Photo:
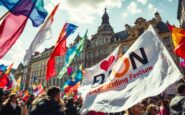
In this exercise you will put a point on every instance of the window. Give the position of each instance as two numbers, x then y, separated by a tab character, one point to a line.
100	51
53	81
96	53
115	39
104	40
99	42
96	42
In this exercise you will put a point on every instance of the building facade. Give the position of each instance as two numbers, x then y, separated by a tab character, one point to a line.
100	46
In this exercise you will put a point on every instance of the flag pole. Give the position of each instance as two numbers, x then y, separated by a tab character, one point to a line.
4	15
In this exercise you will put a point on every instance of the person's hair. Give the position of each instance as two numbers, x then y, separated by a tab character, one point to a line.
11	96
53	91
180	88
149	108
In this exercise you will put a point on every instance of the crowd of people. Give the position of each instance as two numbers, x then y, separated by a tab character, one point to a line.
52	103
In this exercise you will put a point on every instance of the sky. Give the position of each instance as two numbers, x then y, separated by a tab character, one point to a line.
87	14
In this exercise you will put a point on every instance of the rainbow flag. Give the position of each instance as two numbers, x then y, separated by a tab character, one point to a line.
178	37
37	14
20	11
73	82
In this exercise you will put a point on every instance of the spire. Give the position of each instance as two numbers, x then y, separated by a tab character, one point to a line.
105	18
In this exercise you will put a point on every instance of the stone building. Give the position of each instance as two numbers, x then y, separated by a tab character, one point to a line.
100	45
105	40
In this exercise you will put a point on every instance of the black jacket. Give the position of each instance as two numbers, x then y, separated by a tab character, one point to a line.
46	107
9	110
177	105
71	110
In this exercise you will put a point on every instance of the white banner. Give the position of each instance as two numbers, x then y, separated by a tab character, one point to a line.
145	70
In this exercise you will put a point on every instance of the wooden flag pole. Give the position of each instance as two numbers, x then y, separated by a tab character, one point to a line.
4	15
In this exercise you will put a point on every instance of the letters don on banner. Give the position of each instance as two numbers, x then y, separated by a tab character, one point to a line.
145	70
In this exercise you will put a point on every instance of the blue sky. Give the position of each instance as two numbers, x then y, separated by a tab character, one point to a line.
87	15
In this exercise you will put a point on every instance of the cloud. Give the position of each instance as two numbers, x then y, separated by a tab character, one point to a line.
85	11
124	14
49	7
144	2
15	55
152	8
133	8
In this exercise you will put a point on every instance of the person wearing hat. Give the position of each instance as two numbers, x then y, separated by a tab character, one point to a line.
49	105
10	106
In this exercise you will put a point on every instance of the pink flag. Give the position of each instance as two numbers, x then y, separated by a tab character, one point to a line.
69	71
10	30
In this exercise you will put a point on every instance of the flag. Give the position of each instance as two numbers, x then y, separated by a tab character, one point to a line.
4	80
3	68
9	69
33	9
12	82
43	34
182	62
59	50
66	31
71	53
69	71
18	86
72	89
178	37
145	70
8	33
38	90
34	79
71	83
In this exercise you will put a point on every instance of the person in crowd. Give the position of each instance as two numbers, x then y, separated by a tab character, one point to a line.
164	108
24	109
30	101
177	104
49	105
10	106
70	107
137	109
2	97
152	110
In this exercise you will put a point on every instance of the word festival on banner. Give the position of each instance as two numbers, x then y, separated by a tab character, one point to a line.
127	63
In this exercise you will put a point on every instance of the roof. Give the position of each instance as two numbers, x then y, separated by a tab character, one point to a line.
122	35
162	27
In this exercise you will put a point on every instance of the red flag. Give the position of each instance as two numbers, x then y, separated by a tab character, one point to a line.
178	37
10	30
60	49
4	80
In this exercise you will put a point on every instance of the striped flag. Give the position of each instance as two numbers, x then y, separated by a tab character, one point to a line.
178	37
71	53
38	90
20	12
